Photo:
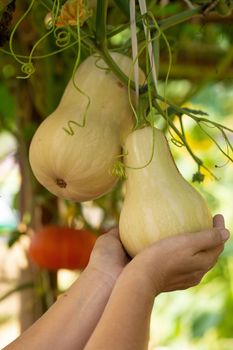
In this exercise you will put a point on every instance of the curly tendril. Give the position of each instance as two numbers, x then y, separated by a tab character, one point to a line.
150	16
54	15
70	130
14	30
146	18
28	69
98	59
228	144
62	37
38	57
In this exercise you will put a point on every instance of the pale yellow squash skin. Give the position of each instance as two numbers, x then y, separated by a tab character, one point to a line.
158	202
79	167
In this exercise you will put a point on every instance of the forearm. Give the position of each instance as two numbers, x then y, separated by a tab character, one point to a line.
125	322
69	323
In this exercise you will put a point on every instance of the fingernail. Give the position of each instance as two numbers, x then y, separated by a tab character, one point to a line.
225	234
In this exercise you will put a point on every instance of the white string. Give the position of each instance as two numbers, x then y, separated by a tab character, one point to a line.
134	42
143	9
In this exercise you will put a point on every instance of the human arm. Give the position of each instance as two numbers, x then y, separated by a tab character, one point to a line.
173	263
68	324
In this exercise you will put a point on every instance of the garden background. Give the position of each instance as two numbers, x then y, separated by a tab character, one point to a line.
200	78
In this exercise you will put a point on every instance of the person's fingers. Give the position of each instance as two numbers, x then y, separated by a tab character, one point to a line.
104	238
113	232
185	281
207	259
218	221
205	240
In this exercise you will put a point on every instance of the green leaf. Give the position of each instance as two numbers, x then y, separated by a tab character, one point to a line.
198	177
203	322
195	111
172	111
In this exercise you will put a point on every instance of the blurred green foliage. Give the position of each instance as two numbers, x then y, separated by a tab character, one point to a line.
201	78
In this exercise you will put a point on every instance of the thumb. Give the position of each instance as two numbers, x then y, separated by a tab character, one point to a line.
208	239
218	221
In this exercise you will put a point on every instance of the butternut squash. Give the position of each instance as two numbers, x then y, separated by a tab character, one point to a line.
76	164
158	200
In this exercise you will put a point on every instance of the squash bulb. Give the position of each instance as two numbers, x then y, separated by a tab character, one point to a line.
76	164
158	202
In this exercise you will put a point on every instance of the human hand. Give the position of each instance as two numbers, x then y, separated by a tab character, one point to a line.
108	255
180	261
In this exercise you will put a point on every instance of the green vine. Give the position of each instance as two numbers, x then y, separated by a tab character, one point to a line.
70	130
95	37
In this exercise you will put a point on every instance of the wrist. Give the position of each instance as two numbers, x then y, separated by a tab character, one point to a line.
105	275
139	281
150	281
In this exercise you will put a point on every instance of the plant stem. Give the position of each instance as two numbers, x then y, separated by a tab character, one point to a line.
115	68
194	117
17	288
101	35
163	114
167	22
117	30
164	24
179	18
101	18
101	42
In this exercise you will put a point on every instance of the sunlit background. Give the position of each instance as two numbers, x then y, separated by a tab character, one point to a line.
201	78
